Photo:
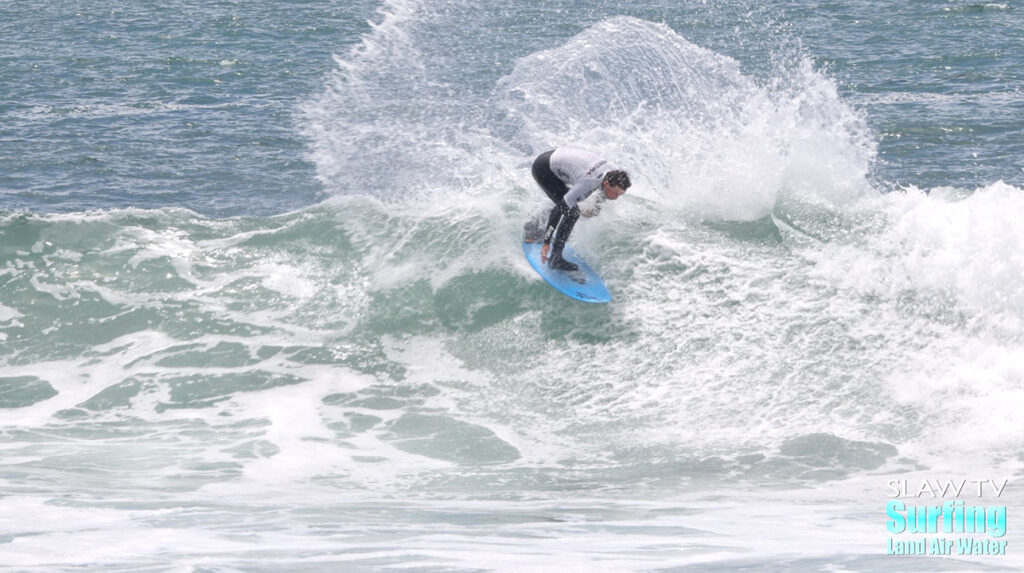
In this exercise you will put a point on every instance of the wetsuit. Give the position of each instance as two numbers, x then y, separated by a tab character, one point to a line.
568	175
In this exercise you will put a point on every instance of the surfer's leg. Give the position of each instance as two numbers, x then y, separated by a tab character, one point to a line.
564	230
549	231
557	212
555	189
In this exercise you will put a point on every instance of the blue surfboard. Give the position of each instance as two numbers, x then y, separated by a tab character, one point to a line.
583	284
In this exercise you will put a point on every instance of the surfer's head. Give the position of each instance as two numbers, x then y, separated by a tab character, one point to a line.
615	184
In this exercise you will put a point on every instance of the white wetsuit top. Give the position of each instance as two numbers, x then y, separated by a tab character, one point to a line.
581	171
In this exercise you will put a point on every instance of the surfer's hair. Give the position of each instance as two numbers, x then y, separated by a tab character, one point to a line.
618	179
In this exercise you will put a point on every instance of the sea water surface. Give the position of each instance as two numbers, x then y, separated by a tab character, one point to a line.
263	305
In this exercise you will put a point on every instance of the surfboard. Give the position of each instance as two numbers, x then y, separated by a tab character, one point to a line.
583	284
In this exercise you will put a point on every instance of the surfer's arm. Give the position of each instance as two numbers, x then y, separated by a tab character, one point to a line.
580	191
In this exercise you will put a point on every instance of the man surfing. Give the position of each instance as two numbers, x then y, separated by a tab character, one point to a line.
568	176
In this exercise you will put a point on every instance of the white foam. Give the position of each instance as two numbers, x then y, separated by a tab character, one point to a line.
700	136
945	275
946	243
8	314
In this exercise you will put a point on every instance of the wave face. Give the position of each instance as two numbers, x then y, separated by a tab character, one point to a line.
379	379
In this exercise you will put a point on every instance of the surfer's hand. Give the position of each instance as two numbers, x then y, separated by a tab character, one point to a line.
589	213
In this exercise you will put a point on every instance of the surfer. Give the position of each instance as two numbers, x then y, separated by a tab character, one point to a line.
568	176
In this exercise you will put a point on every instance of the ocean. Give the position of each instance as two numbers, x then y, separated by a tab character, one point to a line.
263	305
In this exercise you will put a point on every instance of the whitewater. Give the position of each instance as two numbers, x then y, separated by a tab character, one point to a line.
244	332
